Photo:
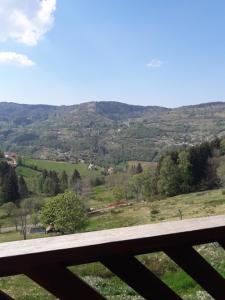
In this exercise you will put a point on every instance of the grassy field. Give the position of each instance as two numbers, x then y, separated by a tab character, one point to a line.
190	205
100	197
31	177
60	166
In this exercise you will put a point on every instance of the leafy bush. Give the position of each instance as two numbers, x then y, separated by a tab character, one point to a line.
154	211
66	212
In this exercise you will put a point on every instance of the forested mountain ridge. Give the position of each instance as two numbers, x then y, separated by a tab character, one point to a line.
106	131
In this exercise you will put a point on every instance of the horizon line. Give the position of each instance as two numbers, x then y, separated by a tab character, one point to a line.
113	101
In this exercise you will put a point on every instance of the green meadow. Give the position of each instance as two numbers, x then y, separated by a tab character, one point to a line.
61	166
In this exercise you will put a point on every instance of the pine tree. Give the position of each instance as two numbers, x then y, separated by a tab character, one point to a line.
76	175
199	156
4	170
41	181
1	154
23	191
45	173
46	185
75	182
10	190
63	180
54	183
42	186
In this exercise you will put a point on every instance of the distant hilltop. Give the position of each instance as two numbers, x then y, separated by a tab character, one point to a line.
106	132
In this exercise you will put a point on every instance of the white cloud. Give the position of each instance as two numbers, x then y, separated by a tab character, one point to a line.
154	63
26	21
14	58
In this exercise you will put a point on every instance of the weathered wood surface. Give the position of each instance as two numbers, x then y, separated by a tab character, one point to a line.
18	257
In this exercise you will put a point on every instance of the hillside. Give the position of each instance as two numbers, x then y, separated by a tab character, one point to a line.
106	131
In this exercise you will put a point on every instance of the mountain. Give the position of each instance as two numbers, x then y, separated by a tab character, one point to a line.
106	131
121	111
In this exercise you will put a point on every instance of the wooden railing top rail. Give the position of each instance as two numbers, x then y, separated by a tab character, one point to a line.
45	260
162	231
91	246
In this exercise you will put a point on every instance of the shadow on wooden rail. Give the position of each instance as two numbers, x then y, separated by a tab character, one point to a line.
45	261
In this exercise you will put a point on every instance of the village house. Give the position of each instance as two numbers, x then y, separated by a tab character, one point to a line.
110	170
11	158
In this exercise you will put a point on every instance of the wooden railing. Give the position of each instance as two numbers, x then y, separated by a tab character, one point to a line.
45	260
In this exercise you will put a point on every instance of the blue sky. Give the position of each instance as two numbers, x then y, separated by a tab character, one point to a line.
147	52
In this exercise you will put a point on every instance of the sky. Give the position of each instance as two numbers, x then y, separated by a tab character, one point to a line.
145	52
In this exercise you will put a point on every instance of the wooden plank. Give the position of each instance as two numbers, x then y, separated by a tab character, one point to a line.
62	283
4	296
92	246
137	276
199	269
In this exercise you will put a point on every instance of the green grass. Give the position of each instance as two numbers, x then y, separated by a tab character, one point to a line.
31	177
60	166
181	283
10	236
100	197
191	205
27	172
22	288
16	236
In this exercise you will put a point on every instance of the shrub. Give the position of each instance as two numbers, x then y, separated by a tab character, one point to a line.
154	211
66	212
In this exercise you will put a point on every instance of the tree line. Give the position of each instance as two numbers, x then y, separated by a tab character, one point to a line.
13	187
181	171
189	169
51	183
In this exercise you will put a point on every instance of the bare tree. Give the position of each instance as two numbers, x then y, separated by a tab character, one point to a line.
26	209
